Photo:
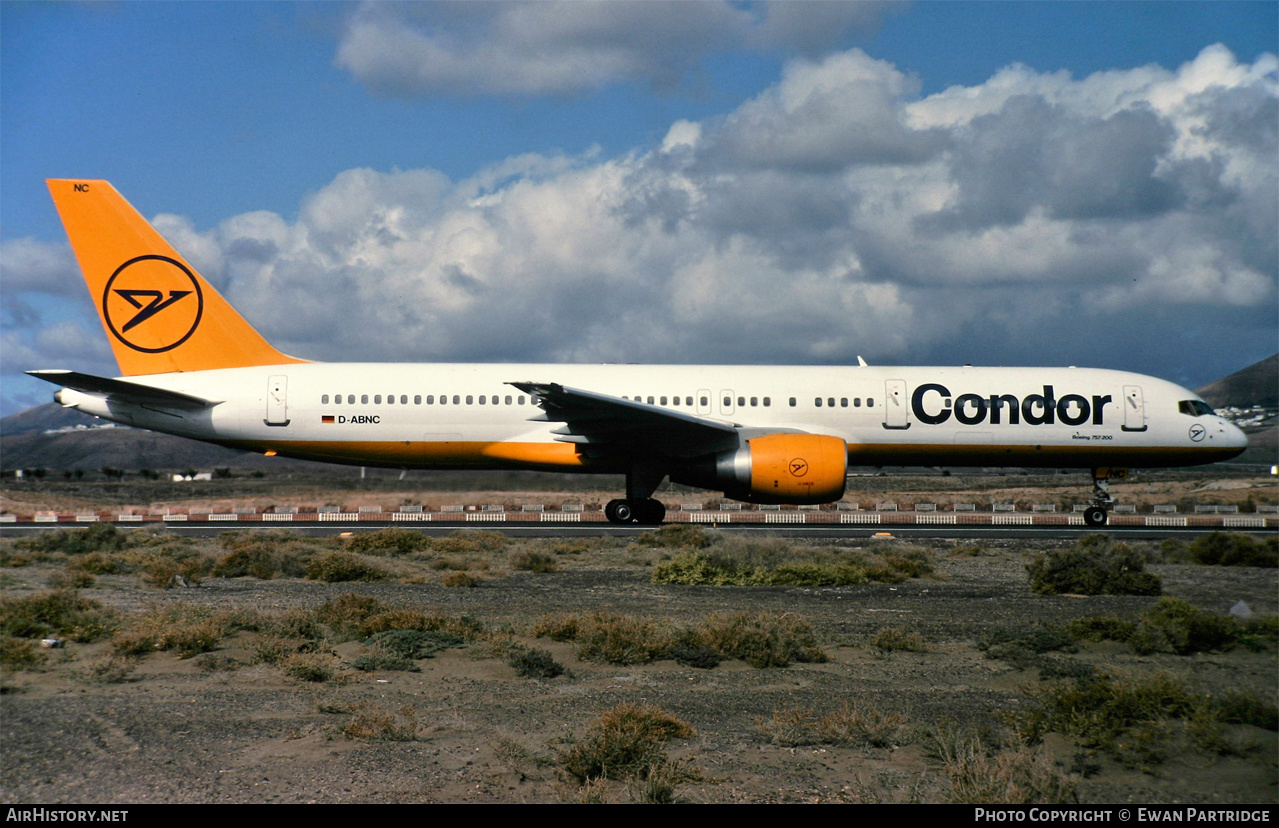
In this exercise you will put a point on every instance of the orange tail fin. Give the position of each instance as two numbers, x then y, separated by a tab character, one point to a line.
160	315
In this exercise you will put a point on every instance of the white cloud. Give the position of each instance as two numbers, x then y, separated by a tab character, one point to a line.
567	46
1033	218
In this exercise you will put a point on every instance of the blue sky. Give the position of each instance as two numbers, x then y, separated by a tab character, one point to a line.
994	183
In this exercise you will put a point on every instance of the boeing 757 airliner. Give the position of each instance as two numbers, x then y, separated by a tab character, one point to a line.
193	367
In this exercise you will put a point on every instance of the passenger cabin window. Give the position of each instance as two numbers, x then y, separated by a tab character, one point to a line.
470	400
324	399
843	402
768	401
818	402
430	399
792	402
457	400
364	399
705	401
377	399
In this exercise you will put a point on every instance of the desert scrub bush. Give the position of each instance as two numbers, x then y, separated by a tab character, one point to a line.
312	667
762	639
556	627
621	639
533	663
1023	649
388	542
1019	775
351	616
1247	707
461	580
1234	549
98	537
414	643
370	724
170	568
624	742
535	562
185	629
1129	719
406	618
471	542
1094	566
346	612
850	725
71	579
678	536
690	650
1176	626
20	654
341	567
890	639
1097	628
773	562
713	569
64	612
114	669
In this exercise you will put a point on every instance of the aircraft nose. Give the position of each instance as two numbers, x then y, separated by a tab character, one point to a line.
1233	436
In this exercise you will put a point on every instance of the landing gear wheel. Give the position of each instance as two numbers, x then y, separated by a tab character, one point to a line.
1095	516
650	511
619	511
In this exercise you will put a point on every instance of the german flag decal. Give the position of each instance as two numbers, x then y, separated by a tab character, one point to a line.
326	418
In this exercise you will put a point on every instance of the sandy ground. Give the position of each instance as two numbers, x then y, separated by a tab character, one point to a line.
221	728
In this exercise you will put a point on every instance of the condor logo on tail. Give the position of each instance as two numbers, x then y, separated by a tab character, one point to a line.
143	303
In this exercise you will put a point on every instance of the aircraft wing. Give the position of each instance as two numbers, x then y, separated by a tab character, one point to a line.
124	391
601	424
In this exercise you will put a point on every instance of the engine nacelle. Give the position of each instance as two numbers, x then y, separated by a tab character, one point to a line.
775	468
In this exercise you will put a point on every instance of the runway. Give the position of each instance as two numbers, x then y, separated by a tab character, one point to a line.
1041	529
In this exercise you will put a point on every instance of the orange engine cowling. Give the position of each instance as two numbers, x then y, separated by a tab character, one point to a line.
797	468
775	468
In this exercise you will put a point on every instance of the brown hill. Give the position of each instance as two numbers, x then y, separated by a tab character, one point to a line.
1255	385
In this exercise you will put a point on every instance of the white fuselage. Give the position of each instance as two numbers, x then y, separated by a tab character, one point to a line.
468	416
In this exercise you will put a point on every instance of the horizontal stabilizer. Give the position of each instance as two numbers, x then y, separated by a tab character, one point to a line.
123	390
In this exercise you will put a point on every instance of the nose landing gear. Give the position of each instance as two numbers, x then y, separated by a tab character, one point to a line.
1097	512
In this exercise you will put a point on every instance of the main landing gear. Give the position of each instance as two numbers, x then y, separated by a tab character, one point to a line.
1097	512
639	506
645	511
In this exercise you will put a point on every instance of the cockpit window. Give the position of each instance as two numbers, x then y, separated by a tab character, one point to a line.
1195	408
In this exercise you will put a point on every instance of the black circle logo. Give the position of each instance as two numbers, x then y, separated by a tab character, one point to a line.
798	467
1197	432
152	303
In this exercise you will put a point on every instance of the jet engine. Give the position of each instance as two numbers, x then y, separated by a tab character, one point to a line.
774	468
